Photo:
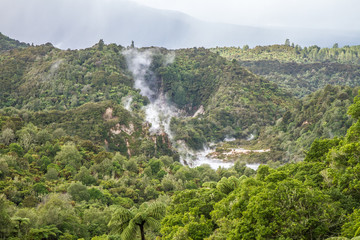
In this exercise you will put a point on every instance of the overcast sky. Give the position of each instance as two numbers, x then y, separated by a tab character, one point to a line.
324	14
209	23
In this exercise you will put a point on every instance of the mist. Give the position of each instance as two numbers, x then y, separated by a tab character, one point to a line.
81	23
160	110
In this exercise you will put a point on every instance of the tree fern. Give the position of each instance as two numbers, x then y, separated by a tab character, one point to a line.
128	222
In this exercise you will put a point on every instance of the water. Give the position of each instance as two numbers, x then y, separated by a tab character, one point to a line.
201	157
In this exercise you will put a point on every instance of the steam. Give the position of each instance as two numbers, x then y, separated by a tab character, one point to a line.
160	111
139	64
127	102
229	139
251	137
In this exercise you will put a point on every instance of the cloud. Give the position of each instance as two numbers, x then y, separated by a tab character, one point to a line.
81	23
324	14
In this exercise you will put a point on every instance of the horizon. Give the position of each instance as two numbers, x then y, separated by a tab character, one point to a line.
173	24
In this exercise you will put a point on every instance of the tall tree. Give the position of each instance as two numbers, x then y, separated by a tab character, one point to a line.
129	221
287	42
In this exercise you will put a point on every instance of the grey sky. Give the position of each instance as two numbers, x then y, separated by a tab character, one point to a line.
325	14
81	23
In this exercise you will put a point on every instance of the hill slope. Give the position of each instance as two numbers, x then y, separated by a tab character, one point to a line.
7	43
300	70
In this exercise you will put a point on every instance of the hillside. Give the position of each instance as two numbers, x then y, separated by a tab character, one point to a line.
46	78
94	145
7	43
221	98
300	70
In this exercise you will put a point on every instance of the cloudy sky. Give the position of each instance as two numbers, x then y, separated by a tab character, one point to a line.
323	14
181	23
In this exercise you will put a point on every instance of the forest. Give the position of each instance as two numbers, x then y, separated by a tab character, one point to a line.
79	157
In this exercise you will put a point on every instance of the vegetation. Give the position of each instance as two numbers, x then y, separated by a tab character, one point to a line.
300	70
235	102
76	164
7	43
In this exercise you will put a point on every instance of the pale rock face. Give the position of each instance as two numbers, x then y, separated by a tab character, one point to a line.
108	115
200	111
122	128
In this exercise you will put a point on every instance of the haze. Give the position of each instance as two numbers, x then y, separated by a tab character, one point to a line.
178	24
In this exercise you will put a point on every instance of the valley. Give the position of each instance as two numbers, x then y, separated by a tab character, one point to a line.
220	143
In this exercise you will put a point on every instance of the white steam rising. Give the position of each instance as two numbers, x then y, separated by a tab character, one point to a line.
139	64
127	102
159	112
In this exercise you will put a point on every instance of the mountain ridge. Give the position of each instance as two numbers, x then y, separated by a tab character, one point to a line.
127	21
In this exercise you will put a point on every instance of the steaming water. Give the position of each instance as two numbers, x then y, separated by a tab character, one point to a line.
229	139
201	157
160	111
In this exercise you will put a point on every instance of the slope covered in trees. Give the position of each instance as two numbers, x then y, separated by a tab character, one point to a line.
7	43
314	199
79	160
233	102
68	187
300	70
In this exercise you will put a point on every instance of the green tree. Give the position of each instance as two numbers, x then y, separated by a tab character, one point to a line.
58	211
287	42
69	155
289	210
7	136
101	45
129	222
46	232
85	176
354	109
78	192
5	221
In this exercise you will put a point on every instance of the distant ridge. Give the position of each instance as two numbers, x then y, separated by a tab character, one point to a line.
77	24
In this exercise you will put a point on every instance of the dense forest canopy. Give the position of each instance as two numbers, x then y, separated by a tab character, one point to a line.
79	158
301	70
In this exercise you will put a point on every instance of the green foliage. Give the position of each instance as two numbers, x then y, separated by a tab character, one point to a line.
319	148
85	176
78	192
48	78
7	43
227	185
352	227
231	97
292	211
189	214
354	109
47	232
69	155
301	71
74	163
321	114
129	222
5	221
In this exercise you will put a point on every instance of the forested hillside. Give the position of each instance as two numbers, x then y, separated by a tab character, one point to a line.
300	70
92	143
233	102
7	43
